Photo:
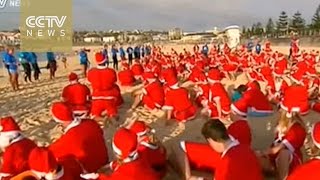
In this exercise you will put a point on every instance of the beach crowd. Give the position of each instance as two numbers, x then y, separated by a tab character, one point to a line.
184	85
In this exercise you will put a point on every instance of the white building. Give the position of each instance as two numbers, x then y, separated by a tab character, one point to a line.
109	39
160	37
175	34
92	38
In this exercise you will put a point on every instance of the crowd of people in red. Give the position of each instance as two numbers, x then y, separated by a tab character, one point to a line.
179	84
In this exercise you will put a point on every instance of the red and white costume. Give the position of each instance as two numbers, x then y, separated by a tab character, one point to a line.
202	90
106	95
76	95
126	76
152	153
252	99
16	149
132	167
43	164
217	94
299	103
137	70
153	93
293	140
177	99
239	130
276	92
82	139
309	170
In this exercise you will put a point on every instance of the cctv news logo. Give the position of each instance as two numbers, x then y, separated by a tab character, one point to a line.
46	26
12	3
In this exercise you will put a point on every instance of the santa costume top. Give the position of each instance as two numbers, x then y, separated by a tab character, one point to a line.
153	93
297	104
89	148
16	149
309	170
126	76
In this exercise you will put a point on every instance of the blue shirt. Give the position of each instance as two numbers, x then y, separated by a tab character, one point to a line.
205	49
114	51
24	57
33	58
129	50
50	56
83	57
137	50
105	53
250	46
10	61
258	48
122	52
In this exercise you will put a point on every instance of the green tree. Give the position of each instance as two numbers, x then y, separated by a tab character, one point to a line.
244	31
297	23
315	24
282	24
259	29
270	27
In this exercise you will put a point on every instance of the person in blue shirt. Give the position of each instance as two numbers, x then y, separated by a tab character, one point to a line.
258	48
148	50
130	54
122	53
250	46
142	51
105	54
12	66
34	63
114	52
137	52
52	64
84	61
24	60
205	50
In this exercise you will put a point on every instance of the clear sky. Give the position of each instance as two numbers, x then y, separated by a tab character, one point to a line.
164	14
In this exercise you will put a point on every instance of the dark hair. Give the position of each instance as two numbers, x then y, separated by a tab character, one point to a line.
215	130
242	88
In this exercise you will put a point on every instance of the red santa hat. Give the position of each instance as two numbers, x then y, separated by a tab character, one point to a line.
8	126
73	77
43	164
99	58
125	143
140	128
297	77
61	112
214	76
315	134
172	82
149	76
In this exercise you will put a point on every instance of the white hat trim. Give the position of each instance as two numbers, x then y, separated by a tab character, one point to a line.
142	133
175	86
73	124
317	144
10	133
99	65
150	146
5	175
49	176
90	176
183	146
73	82
211	81
237	111
119	152
288	145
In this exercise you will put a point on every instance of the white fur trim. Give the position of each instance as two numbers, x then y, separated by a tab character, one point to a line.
142	133
103	97
175	86
10	133
49	176
233	143
5	175
116	149
183	146
102	66
74	82
150	146
237	111
90	176
73	124
288	145
211	81
167	108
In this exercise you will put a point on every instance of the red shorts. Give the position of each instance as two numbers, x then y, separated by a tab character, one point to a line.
100	106
201	156
147	101
185	115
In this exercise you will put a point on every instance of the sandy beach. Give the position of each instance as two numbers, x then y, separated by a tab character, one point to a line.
30	106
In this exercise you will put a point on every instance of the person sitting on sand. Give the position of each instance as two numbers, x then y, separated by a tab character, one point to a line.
52	64
309	170
225	154
218	104
128	165
178	104
105	94
82	139
44	166
253	102
238	92
151	96
77	96
150	148
137	69
125	77
15	147
12	65
285	155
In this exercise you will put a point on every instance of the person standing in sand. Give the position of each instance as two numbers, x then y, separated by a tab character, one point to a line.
24	60
34	63
12	65
84	61
114	52
52	64
130	54
105	54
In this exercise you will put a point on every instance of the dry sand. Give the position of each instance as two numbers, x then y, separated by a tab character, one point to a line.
30	106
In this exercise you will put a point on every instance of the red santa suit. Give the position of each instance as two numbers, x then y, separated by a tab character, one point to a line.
104	97
277	91
295	47
309	170
16	149
254	99
231	165
43	163
132	167
137	70
293	140
202	89
153	93
177	99
217	93
268	47
88	148
239	130
76	95
299	103
152	153
126	76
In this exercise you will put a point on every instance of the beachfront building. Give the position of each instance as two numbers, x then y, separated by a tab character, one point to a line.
92	38
160	37
175	34
109	39
10	38
198	37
